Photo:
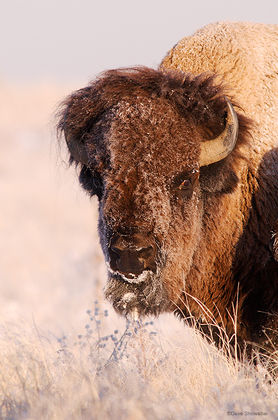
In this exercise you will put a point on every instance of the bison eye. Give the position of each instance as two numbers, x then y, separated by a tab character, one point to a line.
91	181
184	183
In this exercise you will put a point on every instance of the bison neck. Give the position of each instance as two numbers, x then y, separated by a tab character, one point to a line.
234	275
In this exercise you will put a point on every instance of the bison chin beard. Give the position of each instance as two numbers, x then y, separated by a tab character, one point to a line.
145	298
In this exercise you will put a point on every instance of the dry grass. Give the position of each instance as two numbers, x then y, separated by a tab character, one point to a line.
133	374
62	361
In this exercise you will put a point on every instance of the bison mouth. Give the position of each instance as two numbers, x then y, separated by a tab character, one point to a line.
130	277
143	294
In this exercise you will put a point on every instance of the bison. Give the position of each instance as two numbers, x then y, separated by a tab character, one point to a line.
183	160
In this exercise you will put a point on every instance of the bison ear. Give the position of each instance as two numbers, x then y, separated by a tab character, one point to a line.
218	177
77	115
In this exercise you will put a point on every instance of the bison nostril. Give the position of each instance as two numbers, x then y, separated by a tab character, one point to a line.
140	253
116	250
145	253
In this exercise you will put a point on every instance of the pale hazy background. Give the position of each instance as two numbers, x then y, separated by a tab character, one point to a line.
51	267
71	40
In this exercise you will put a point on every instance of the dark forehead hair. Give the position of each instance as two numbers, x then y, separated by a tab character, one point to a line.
198	98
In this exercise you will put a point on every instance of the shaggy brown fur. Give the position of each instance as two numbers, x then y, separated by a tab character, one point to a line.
137	134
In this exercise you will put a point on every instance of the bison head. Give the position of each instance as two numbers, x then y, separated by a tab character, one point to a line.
150	145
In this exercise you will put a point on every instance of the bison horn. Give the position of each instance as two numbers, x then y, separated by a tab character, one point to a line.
213	151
